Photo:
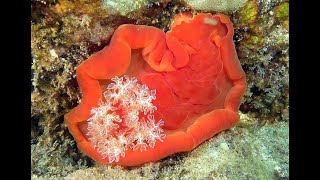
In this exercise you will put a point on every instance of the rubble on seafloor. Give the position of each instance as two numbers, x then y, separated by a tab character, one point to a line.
65	33
238	153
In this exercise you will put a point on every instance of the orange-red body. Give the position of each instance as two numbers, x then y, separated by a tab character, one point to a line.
194	69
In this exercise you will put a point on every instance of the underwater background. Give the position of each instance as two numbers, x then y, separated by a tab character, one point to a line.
65	33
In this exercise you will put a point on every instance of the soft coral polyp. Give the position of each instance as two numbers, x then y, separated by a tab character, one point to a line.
194	69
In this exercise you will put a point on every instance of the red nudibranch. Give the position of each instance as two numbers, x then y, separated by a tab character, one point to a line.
194	69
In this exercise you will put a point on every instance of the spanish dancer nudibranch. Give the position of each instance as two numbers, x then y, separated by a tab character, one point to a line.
150	94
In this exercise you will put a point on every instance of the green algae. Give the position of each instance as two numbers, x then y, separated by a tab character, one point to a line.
248	14
282	14
254	41
262	48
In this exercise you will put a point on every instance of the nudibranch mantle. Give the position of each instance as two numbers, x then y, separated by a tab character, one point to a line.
194	70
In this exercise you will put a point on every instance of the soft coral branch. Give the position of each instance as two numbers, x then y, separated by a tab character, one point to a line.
133	99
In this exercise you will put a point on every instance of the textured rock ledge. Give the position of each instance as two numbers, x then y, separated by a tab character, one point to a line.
239	153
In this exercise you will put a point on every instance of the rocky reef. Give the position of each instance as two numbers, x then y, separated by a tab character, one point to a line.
65	33
239	153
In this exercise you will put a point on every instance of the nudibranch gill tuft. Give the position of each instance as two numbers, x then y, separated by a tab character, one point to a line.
150	94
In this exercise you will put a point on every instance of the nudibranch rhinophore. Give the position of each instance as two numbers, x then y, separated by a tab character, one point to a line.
150	94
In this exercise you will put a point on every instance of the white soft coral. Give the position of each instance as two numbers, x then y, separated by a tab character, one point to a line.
119	123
